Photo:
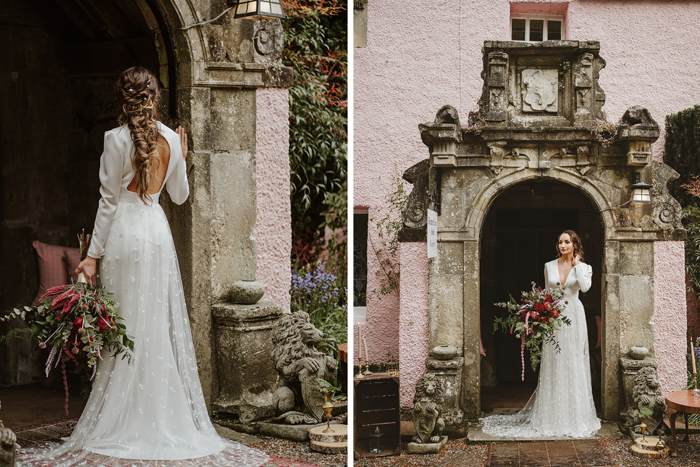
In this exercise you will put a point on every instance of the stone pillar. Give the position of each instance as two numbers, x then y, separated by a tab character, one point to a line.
243	344
215	231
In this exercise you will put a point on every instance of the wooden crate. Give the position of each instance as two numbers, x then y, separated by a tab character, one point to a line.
377	404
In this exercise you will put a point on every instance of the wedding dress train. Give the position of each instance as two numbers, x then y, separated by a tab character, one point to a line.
562	405
149	411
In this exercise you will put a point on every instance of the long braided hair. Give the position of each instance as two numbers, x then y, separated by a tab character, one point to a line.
138	95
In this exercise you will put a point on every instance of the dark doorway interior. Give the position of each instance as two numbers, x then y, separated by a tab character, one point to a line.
519	236
60	61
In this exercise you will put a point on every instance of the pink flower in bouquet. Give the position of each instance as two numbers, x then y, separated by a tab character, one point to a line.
534	314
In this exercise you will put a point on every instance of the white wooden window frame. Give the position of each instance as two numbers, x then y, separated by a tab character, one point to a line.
545	32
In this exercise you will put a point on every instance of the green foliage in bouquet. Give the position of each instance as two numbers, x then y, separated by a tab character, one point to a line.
533	321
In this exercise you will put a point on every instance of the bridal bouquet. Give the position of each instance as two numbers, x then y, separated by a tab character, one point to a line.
533	321
78	322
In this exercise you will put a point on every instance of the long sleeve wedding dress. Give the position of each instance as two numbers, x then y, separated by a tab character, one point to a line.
150	411
562	405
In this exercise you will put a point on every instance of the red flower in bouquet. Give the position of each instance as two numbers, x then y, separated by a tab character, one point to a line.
534	321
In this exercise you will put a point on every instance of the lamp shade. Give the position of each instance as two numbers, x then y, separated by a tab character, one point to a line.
641	193
259	8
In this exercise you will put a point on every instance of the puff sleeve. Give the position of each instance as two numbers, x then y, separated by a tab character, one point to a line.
584	274
177	185
111	166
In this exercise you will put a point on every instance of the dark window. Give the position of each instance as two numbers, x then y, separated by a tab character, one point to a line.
359	296
518	30
536	30
554	30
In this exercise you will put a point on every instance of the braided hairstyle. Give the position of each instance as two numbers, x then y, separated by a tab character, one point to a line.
138	95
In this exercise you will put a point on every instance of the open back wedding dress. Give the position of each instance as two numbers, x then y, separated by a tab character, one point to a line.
150	411
562	405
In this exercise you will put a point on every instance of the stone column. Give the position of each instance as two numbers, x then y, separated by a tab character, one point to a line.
215	230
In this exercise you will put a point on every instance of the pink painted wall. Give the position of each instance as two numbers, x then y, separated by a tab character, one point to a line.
419	58
413	319
670	315
273	231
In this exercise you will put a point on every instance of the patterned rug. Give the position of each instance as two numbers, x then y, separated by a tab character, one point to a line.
39	434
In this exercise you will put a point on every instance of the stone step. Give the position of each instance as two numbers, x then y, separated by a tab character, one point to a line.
339	434
329	448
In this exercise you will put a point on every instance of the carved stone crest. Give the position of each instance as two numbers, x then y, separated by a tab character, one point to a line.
268	38
540	90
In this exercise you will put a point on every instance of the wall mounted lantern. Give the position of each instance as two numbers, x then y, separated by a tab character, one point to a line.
641	193
259	8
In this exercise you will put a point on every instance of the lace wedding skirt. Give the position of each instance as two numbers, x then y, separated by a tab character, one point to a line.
150	411
562	405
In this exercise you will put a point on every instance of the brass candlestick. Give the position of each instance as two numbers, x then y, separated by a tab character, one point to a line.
360	375
367	372
327	409
643	426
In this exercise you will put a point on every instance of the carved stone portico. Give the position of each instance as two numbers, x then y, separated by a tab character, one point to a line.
537	112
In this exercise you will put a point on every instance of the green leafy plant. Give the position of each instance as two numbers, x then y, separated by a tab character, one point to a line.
335	218
336	391
316	41
385	244
682	152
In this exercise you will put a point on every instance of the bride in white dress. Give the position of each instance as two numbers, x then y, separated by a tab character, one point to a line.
150	411
562	405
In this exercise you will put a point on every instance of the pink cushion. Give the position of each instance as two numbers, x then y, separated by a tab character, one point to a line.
52	268
599	324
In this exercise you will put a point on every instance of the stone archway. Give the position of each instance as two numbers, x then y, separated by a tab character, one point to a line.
510	142
215	84
517	238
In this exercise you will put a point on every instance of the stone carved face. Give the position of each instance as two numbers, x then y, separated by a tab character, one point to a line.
311	335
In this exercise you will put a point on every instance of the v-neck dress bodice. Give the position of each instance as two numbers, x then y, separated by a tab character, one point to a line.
562	405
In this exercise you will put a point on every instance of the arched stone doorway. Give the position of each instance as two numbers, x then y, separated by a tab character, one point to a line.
62	59
509	144
517	238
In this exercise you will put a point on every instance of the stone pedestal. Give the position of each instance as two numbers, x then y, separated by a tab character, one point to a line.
243	342
450	374
427	448
629	369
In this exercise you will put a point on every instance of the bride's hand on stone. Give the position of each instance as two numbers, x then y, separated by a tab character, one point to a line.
183	141
88	267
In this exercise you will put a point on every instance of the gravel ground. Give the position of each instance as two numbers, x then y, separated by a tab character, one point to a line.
300	452
620	455
457	453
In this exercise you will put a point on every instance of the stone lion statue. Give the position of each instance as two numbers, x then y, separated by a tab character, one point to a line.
647	393
427	408
298	364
